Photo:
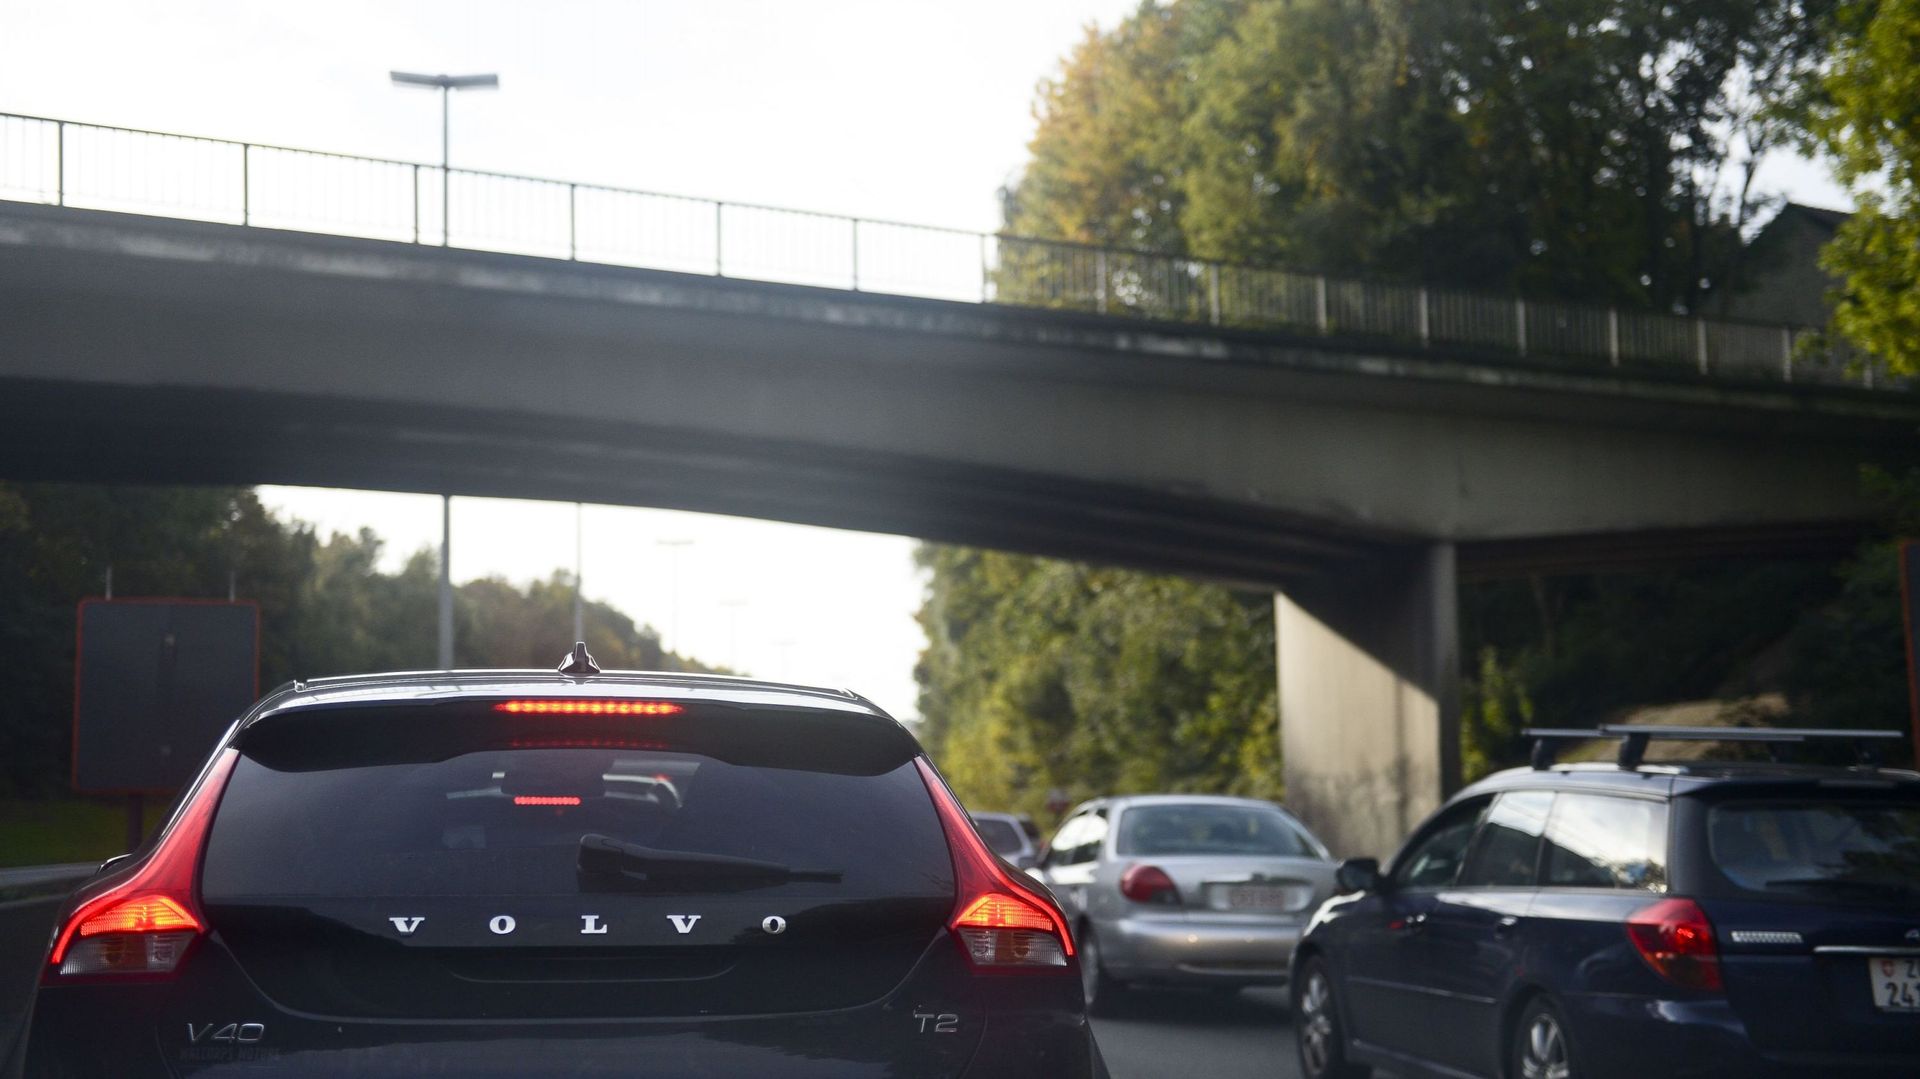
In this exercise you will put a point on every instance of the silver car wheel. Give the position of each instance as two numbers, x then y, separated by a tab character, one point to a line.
1316	1032
1543	1055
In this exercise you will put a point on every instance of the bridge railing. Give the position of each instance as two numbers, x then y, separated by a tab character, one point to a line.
125	169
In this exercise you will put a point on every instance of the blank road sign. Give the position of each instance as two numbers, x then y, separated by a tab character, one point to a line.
156	682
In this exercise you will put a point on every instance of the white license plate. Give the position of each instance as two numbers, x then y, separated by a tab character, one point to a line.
1896	982
1280	898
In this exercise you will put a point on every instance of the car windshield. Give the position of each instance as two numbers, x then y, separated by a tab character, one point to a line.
1000	834
1842	848
1199	828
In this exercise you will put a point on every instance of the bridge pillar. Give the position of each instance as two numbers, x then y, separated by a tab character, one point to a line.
1369	666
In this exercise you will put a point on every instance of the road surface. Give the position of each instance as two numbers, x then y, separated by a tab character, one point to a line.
1179	1034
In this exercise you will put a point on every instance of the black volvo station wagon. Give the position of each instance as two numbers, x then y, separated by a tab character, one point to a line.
527	873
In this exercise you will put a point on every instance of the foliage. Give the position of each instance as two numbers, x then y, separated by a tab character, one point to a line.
1593	149
1496	707
1042	674
326	607
1849	664
1575	651
1865	113
56	831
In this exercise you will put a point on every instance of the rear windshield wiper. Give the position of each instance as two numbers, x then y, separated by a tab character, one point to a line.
605	859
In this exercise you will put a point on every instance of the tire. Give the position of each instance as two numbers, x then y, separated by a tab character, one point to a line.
1317	1033
1540	1047
1101	990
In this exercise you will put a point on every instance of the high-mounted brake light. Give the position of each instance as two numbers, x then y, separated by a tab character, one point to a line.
144	924
546	799
567	706
1000	922
1675	938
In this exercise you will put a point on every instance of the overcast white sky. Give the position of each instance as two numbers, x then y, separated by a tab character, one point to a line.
914	110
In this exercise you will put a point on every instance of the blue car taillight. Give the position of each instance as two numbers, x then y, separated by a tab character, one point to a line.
1675	938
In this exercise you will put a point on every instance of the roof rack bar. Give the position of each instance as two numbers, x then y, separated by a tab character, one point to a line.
1634	739
1543	743
1633	749
1740	734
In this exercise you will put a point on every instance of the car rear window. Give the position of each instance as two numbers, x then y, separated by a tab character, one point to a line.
1210	829
507	819
1001	835
1832	849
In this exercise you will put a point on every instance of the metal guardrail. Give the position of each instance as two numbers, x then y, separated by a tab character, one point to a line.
33	882
114	168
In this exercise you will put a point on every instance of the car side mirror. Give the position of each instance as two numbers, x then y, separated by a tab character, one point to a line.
1359	875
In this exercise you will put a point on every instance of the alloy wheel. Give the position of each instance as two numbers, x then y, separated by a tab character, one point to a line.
1316	1029
1543	1053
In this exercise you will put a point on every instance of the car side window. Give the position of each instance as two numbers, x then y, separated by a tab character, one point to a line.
1095	834
1061	850
1435	857
1506	849
1601	841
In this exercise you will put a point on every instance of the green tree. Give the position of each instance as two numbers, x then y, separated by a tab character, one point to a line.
1865	112
1042	674
1599	150
325	607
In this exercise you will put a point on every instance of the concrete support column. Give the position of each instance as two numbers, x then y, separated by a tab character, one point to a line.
1369	666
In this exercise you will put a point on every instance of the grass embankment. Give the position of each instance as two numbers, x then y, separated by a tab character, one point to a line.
54	830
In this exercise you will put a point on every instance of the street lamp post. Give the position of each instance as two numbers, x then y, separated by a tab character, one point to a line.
446	582
446	84
579	572
673	547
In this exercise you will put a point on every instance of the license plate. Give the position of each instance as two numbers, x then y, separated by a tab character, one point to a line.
1279	898
1896	982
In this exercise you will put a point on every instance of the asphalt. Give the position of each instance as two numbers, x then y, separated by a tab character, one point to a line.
1154	1035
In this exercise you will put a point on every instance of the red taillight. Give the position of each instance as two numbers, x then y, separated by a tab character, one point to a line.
143	924
1676	940
546	799
1000	922
576	707
1149	884
145	914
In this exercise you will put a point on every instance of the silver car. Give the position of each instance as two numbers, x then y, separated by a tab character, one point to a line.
1184	889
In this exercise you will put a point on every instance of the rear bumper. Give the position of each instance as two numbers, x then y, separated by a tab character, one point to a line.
1183	952
1636	1036
942	1021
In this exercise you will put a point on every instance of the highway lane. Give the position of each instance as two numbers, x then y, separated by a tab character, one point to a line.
1181	1034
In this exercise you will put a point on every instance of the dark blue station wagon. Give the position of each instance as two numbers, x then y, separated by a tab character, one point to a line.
1636	919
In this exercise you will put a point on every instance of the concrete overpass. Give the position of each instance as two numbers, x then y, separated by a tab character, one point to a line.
1358	480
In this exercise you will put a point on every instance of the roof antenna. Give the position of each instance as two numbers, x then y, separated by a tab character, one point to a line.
579	661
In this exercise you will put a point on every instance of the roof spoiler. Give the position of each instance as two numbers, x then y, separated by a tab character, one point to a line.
1634	739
